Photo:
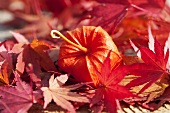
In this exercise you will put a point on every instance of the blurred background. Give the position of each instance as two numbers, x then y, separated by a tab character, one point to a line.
36	18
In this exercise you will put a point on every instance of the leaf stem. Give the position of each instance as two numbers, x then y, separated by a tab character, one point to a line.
53	32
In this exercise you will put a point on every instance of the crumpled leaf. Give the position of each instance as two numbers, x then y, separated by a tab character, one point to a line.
98	44
6	65
61	94
41	48
162	99
151	93
109	89
34	53
152	70
5	72
17	99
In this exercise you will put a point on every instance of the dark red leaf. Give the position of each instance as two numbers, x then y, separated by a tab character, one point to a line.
34	53
107	15
17	99
153	68
110	102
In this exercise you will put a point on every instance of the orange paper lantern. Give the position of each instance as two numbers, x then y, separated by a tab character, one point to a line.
84	51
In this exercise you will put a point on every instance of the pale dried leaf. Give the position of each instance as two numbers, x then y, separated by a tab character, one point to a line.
136	49
20	38
166	48
151	39
60	94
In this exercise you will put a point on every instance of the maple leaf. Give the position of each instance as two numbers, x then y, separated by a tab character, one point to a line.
34	53
61	94
41	48
107	14
109	89
154	66
18	99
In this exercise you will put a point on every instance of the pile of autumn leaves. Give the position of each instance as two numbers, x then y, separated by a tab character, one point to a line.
89	69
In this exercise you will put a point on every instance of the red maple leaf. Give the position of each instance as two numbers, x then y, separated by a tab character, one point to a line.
154	67
17	99
109	89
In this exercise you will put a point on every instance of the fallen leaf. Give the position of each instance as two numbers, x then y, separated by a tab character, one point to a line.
5	73
6	66
107	14
152	70
109	89
61	94
162	99
35	53
17	99
41	48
